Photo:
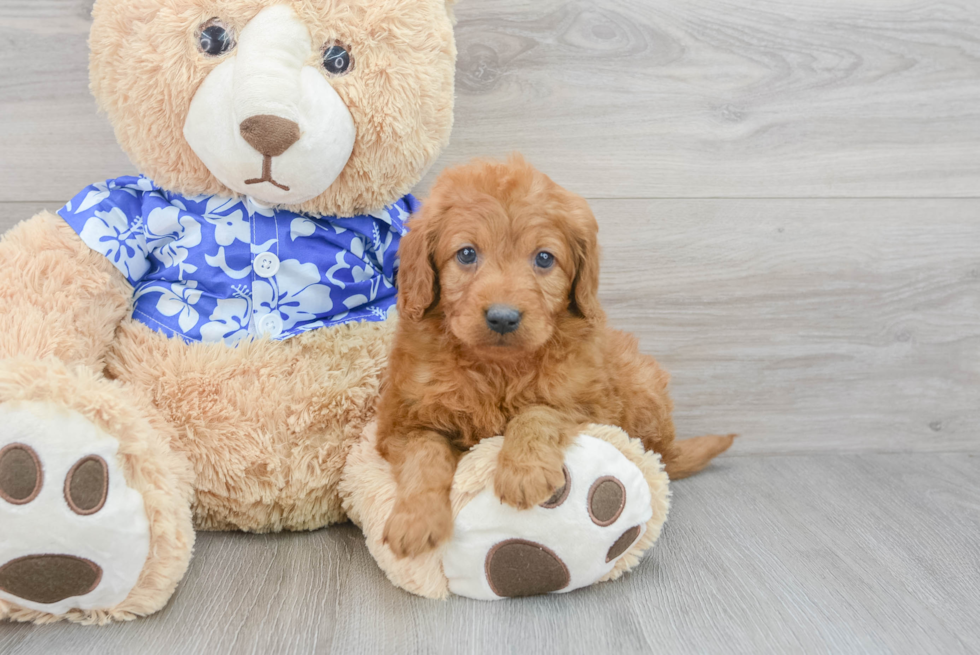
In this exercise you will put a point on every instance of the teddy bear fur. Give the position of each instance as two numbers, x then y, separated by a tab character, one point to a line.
53	351
267	424
369	490
400	53
252	437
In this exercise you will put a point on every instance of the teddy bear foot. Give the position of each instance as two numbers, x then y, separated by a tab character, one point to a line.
595	527
572	540
75	534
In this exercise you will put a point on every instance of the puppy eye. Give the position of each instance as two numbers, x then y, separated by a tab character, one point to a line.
337	59
544	259
466	255
214	39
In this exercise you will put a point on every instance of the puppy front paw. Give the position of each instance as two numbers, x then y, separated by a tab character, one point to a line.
529	482
418	525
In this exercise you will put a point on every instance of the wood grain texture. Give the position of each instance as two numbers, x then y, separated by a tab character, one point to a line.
821	325
616	98
812	554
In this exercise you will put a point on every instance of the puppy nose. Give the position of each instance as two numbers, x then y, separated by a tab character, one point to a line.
503	318
270	135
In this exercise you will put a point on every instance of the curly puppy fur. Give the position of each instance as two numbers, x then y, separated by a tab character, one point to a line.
452	380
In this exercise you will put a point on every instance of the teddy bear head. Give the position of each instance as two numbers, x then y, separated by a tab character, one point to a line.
330	107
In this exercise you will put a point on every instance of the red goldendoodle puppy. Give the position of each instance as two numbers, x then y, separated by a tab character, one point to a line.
501	332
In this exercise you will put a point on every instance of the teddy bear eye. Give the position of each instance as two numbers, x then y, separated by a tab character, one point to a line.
214	39
337	59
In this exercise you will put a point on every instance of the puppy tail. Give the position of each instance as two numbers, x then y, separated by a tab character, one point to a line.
691	455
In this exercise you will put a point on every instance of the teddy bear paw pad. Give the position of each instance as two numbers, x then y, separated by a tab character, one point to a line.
75	535
572	540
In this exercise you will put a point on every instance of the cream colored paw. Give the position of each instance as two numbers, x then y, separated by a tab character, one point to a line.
73	534
572	540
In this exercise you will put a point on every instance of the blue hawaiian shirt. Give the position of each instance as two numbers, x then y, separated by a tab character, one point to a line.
210	269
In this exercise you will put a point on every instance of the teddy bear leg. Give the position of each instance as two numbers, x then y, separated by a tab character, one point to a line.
595	527
94	504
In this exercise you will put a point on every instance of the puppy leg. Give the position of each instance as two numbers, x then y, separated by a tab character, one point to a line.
424	464
529	465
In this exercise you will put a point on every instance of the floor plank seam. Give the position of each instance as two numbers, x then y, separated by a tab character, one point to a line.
845	453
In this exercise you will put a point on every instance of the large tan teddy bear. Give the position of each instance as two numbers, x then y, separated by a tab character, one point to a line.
200	346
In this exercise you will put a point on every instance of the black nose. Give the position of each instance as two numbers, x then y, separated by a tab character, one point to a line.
503	318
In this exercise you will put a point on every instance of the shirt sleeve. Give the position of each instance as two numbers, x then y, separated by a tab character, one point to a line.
108	218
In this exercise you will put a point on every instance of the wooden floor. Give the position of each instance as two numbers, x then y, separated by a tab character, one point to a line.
789	201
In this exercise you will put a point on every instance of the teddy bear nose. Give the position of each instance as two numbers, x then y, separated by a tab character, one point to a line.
270	135
503	318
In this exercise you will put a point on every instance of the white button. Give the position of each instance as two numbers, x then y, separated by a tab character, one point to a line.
271	324
266	264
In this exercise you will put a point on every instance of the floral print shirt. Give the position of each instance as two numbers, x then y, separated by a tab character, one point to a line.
211	269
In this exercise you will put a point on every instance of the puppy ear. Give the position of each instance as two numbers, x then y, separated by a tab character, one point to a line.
584	301
417	277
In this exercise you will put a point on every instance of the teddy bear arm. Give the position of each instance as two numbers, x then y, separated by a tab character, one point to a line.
59	298
61	304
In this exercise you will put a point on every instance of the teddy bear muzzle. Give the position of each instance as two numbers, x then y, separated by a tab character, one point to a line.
264	121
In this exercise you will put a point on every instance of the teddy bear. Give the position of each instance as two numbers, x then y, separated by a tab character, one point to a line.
200	347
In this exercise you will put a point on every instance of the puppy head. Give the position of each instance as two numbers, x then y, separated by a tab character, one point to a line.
502	256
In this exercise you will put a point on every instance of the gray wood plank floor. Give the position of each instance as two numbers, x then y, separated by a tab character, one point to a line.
792	554
789	201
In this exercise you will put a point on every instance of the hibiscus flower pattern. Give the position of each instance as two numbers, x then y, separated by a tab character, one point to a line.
295	293
191	260
229	320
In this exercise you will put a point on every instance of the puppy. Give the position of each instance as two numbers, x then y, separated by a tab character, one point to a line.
501	332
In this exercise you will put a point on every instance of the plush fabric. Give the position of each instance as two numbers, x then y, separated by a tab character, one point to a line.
209	268
254	435
267	425
569	532
58	298
67	545
152	469
400	96
281	110
368	489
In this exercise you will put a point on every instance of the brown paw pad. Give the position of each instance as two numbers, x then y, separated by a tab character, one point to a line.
49	578
517	567
607	498
87	485
622	544
21	477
